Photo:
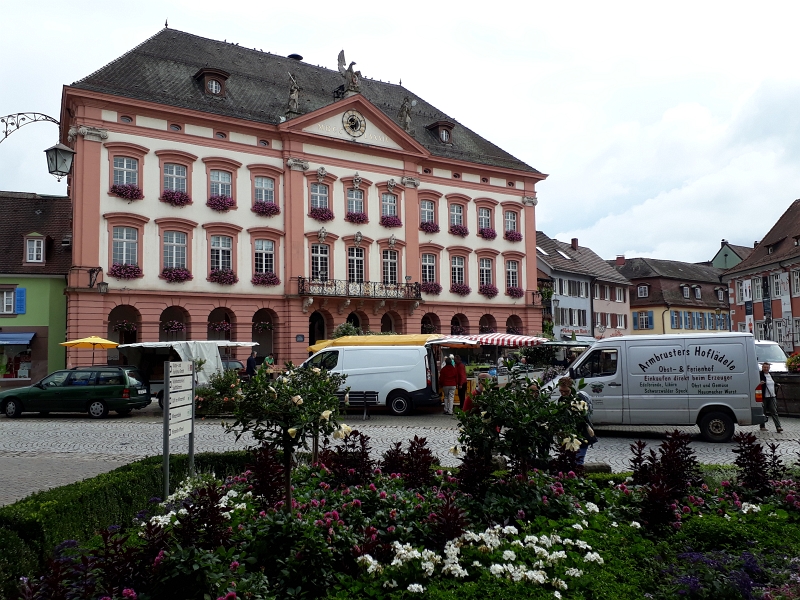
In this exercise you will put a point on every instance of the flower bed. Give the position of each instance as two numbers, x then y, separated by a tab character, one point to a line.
430	287
513	236
125	271
390	221
461	230
487	233
127	191
793	363
429	227
515	292
176	274
357	218
124	326
176	198
223	276
220	203
265	279
173	326
321	214
488	290
460	289
266	209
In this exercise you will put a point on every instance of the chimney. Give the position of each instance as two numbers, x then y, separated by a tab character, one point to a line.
620	260
574	243
755	244
723	242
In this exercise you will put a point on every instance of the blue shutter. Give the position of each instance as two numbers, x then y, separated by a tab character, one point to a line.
650	322
673	320
20	300
679	318
636	320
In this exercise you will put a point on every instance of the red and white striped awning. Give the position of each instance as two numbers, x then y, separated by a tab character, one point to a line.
501	339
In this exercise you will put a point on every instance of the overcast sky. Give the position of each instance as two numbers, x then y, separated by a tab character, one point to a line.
663	127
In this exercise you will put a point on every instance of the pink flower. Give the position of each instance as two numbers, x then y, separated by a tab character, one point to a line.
382	495
372	487
234	565
158	558
357	503
129	594
390	528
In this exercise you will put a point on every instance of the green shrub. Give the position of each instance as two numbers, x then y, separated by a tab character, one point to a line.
15	559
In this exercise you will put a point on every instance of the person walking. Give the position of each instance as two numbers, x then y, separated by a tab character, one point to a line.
768	386
448	378
461	381
250	371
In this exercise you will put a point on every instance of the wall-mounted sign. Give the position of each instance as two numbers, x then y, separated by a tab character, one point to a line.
300	338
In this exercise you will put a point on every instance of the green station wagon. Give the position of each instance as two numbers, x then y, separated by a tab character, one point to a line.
95	390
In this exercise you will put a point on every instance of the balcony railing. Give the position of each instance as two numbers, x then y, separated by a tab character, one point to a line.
366	289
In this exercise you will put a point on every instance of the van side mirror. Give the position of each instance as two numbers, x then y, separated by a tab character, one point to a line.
571	373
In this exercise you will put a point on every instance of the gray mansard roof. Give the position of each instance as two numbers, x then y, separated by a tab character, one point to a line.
161	70
581	261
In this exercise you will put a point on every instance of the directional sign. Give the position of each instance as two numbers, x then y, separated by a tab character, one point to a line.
180	383
177	399
181	368
180	429
180	413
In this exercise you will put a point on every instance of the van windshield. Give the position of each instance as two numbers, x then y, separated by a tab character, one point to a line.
770	353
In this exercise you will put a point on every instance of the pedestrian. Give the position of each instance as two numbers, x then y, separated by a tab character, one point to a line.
448	379
461	380
251	365
565	388
270	360
768	386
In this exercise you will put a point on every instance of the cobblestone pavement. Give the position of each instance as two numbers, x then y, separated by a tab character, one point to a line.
39	453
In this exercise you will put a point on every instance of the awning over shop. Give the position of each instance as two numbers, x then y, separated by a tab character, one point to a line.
501	339
16	339
418	339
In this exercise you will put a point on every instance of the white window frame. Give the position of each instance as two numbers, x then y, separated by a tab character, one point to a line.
758	292
265	189
485	268
388	205
776	285
796	282
456	214
355	201
175	249
643	291
427	211
355	264
428	268
619	294
7	306
780	331
739	291
35	250
175	177
685	289
264	258
390	262
319	195
759	330
796	331
596	291
319	262
698	293
721	295
126	170
221	252
512	273
221	183
510	220
457	268
125	246
484	218
643	321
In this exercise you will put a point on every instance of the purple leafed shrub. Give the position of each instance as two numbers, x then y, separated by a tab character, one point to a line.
265	279
223	276
357	218
219	326
515	292
125	271
349	462
128	191
266	209
487	233
220	203
321	214
429	227
176	274
430	287
513	236
460	289
488	290
391	221
175	197
461	230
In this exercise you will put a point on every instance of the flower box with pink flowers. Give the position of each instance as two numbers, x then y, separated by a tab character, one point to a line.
223	276
460	289
127	191
321	214
176	274
356	218
265	279
176	198
513	236
430	287
429	227
391	221
125	271
488	290
220	203
266	209
487	233
461	230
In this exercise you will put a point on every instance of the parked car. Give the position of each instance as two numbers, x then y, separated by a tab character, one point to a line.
94	390
772	353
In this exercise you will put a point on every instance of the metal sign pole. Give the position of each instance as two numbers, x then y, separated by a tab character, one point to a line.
191	435
166	431
179	389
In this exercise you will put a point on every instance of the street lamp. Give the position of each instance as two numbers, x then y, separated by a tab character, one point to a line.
59	157
59	160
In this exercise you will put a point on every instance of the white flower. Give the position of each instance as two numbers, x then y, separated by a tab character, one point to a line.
416	588
517	543
635	525
347	398
559	583
272	392
592	507
297	400
614	524
476	563
571	443
539	577
390	584
593	557
326	414
557	594
585	523
315	370
748	508
727	516
510	530
572	572
577	526
241	506
453	450
509	555
292	432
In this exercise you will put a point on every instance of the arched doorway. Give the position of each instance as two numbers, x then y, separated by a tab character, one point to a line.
354	319
124	322
430	323
514	325
487	324
173	325
220	324
387	323
317	328
459	325
264	332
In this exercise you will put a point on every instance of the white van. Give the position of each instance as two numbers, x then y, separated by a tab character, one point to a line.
707	380
772	353
400	377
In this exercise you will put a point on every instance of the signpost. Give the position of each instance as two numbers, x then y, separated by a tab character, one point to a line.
179	386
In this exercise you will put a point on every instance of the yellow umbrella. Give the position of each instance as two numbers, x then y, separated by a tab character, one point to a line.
91	342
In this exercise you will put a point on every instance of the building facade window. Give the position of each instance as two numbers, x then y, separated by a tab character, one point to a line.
175	177
697	293
484	218
685	290
456	214
776	285
642	291
606	292
221	183
457	270
319	260
174	249
796	332
221	252
619	294
485	271
355	201
512	274
760	330
319	195
125	246
758	291
389	266
35	250
780	331
126	170
388	205
355	265
644	322
264	258
427	211
510	221
596	294
7	305
265	189
796	282
721	295
428	268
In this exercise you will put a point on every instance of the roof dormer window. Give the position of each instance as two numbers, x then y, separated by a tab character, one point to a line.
214	86
213	80
442	130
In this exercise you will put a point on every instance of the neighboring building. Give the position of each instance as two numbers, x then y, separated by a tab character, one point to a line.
35	258
315	202
668	296
590	298
765	287
730	255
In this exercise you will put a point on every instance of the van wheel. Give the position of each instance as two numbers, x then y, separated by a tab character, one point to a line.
13	408
717	427
399	403
98	409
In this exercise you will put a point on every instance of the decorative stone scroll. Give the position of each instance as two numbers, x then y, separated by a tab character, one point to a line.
297	164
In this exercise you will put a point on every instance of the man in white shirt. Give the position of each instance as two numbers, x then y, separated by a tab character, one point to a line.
768	394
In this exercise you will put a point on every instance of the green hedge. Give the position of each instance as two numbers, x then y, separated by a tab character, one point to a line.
32	527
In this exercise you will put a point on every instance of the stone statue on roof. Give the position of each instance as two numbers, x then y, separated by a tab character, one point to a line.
405	114
292	107
352	79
